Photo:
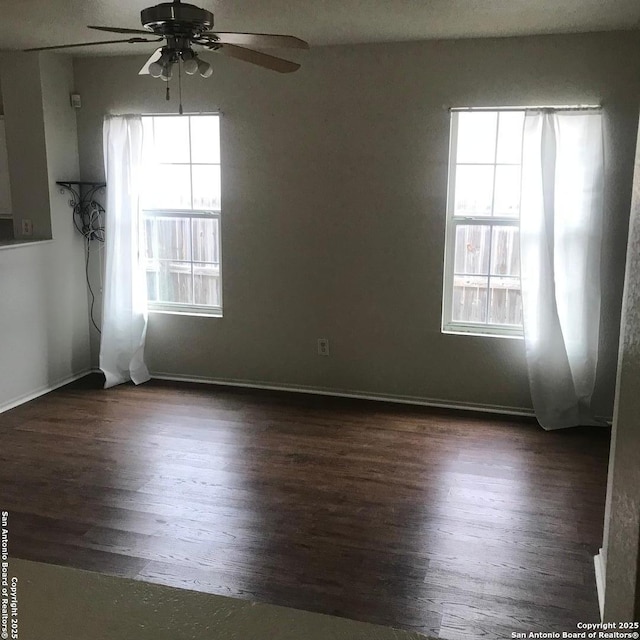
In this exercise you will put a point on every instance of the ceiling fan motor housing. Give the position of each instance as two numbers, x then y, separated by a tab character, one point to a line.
176	18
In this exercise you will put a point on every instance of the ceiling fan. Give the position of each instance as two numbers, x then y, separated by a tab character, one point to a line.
183	26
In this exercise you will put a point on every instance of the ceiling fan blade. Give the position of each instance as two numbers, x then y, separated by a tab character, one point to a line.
257	57
259	40
93	44
120	30
152	58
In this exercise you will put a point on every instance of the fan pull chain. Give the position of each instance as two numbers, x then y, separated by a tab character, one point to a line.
168	94
180	110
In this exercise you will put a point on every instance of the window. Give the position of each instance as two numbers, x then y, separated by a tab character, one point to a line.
181	213
482	258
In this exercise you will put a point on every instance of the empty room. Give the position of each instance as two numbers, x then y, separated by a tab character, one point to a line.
319	320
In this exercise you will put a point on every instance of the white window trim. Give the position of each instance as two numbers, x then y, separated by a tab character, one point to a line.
449	326
174	308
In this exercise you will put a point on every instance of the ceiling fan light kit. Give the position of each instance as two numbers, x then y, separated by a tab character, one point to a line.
205	69
183	26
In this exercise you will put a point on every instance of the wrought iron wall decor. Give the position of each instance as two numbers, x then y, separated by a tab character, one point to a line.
88	213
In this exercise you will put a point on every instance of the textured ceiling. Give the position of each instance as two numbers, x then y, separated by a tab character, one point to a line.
28	23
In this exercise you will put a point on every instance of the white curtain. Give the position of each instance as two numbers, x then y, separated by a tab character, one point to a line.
124	306
560	241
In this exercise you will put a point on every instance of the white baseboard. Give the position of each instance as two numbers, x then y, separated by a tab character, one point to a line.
598	562
32	395
321	391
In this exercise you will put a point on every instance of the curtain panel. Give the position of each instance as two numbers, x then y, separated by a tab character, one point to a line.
560	241
124	303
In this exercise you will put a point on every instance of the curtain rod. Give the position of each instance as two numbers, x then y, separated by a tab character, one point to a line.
159	115
186	113
576	107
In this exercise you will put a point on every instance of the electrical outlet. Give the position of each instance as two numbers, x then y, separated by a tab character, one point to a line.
27	227
323	346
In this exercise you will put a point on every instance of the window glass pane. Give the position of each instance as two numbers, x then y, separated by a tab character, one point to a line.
474	190
206	282
148	238
505	303
148	142
166	187
152	284
507	195
169	239
472	249
174	282
171	139
206	239
510	134
477	137
206	187
469	299
205	139
505	252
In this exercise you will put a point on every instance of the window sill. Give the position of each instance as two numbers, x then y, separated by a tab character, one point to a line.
479	334
187	312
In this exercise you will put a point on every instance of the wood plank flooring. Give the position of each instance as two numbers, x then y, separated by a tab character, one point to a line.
453	524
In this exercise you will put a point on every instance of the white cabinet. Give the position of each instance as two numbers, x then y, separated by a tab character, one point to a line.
5	189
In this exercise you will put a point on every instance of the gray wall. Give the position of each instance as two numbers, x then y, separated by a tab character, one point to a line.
44	337
26	147
334	193
620	549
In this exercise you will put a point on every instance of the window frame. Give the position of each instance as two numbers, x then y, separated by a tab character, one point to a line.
449	326
179	308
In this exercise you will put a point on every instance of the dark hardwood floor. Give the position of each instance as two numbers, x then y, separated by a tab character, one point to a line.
453	524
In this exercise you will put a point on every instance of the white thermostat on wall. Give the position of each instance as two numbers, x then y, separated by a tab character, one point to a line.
76	102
